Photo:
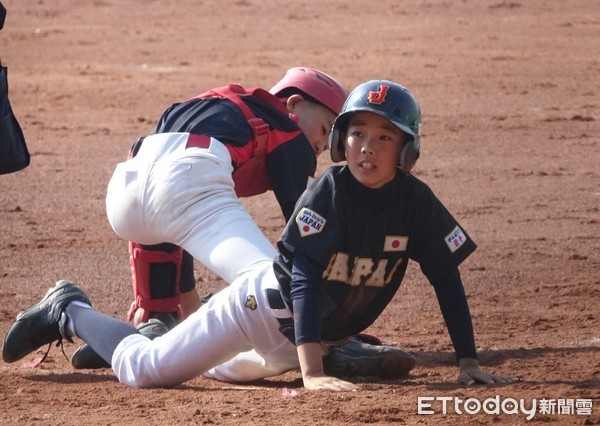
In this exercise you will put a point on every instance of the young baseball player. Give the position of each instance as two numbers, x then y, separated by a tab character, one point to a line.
342	259
176	197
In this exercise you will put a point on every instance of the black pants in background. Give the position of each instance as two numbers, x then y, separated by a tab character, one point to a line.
14	155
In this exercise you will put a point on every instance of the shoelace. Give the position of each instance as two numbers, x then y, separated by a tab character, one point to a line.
62	348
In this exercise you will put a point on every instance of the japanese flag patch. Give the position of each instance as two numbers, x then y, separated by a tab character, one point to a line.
395	243
309	222
455	239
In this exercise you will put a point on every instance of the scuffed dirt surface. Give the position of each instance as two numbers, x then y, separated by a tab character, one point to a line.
510	97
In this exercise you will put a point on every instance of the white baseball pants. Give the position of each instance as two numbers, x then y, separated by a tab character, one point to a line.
234	337
168	193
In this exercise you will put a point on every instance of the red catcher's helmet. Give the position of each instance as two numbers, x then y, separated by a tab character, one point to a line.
321	87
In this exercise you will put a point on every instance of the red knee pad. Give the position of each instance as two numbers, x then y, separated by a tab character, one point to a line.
141	259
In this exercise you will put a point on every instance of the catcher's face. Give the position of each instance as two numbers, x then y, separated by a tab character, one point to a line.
315	121
373	146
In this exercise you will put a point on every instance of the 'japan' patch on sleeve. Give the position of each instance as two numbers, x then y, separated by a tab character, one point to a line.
455	239
309	222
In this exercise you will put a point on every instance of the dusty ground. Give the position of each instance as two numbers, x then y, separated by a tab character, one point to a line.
510	96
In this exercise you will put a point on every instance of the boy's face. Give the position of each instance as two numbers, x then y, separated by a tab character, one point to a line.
373	146
315	121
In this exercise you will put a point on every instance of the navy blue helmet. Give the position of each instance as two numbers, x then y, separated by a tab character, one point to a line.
389	100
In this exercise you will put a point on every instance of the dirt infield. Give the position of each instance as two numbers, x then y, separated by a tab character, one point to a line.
511	113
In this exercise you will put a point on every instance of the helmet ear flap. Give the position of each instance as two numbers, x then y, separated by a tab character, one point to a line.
409	155
336	145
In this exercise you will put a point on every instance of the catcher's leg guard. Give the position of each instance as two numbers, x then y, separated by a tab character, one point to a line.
156	272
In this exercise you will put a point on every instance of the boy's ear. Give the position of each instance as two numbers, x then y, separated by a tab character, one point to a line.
293	100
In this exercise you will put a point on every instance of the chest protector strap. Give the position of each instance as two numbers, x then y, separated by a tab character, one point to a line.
251	176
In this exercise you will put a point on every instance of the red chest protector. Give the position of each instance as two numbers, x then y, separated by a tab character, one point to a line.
250	174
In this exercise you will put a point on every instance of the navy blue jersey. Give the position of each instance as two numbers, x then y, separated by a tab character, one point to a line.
290	159
361	240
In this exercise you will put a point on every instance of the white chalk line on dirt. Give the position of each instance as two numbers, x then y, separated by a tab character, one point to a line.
594	341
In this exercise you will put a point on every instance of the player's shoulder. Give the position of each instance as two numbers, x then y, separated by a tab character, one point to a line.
269	110
323	186
413	184
328	182
321	194
333	173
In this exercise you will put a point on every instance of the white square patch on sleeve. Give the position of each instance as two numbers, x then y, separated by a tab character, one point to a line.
309	222
455	239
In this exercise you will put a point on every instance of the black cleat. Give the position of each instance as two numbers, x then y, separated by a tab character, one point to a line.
86	358
168	319
43	323
359	360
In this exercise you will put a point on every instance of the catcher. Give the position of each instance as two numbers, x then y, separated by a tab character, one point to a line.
176	197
